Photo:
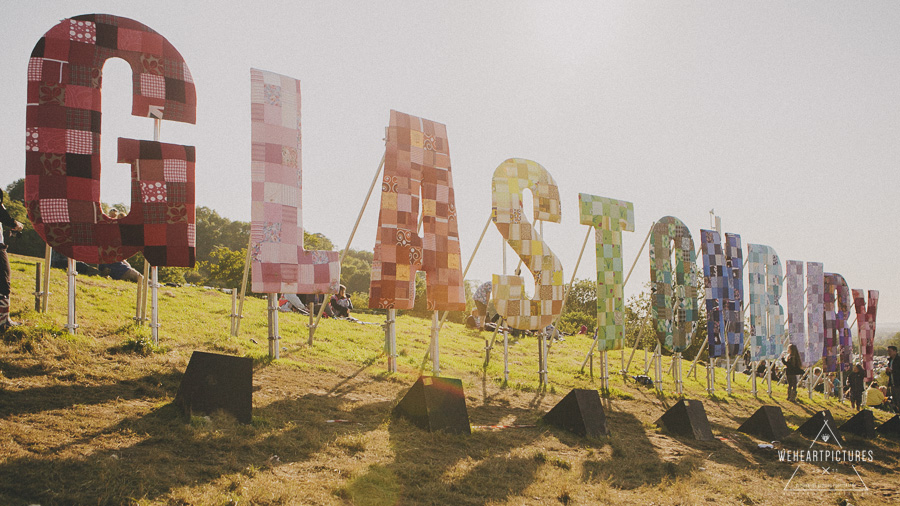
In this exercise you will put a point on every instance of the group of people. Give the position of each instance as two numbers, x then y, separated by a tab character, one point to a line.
338	306
884	396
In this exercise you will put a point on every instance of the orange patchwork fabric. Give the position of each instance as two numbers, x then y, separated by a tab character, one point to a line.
417	162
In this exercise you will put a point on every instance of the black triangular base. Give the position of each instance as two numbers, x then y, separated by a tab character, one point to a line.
687	418
581	412
862	424
890	427
766	423
435	403
212	382
813	427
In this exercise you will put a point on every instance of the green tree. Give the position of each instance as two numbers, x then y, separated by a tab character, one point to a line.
583	298
27	242
356	271
225	267
316	241
215	231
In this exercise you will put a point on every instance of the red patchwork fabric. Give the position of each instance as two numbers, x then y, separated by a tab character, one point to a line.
62	171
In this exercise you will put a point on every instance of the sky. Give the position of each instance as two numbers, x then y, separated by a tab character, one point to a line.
783	117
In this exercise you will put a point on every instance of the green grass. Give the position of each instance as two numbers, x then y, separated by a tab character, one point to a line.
89	419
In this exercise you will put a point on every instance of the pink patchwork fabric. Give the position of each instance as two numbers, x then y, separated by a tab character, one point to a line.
278	260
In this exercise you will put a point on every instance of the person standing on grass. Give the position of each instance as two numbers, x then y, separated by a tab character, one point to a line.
855	382
893	371
793	369
481	297
5	271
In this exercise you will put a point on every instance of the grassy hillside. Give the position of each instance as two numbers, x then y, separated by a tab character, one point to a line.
88	419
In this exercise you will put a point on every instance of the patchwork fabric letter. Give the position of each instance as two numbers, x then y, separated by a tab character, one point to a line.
865	323
810	348
62	159
417	160
766	313
673	301
723	279
609	218
815	312
838	343
511	178
278	260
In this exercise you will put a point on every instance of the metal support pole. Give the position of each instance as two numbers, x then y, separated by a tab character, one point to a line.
590	354
753	366
505	356
540	341
489	347
659	374
240	311
841	380
137	303
435	346
274	338
676	363
390	339
154	304
696	358
70	316
769	369
312	312
233	309
144	290
45	291
37	286
604	372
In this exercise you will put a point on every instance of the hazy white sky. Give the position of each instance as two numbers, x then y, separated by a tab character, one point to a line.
782	116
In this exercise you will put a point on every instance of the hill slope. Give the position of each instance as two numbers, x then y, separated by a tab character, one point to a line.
88	419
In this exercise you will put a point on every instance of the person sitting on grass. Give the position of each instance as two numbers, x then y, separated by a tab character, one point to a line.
341	304
875	396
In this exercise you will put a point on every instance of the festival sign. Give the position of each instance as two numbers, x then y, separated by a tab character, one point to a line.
806	311
417	160
278	260
723	279
838	344
511	178
609	218
62	160
865	322
815	312
673	297
766	314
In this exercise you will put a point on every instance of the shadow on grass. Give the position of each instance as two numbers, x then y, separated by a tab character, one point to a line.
170	453
40	399
437	468
629	443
